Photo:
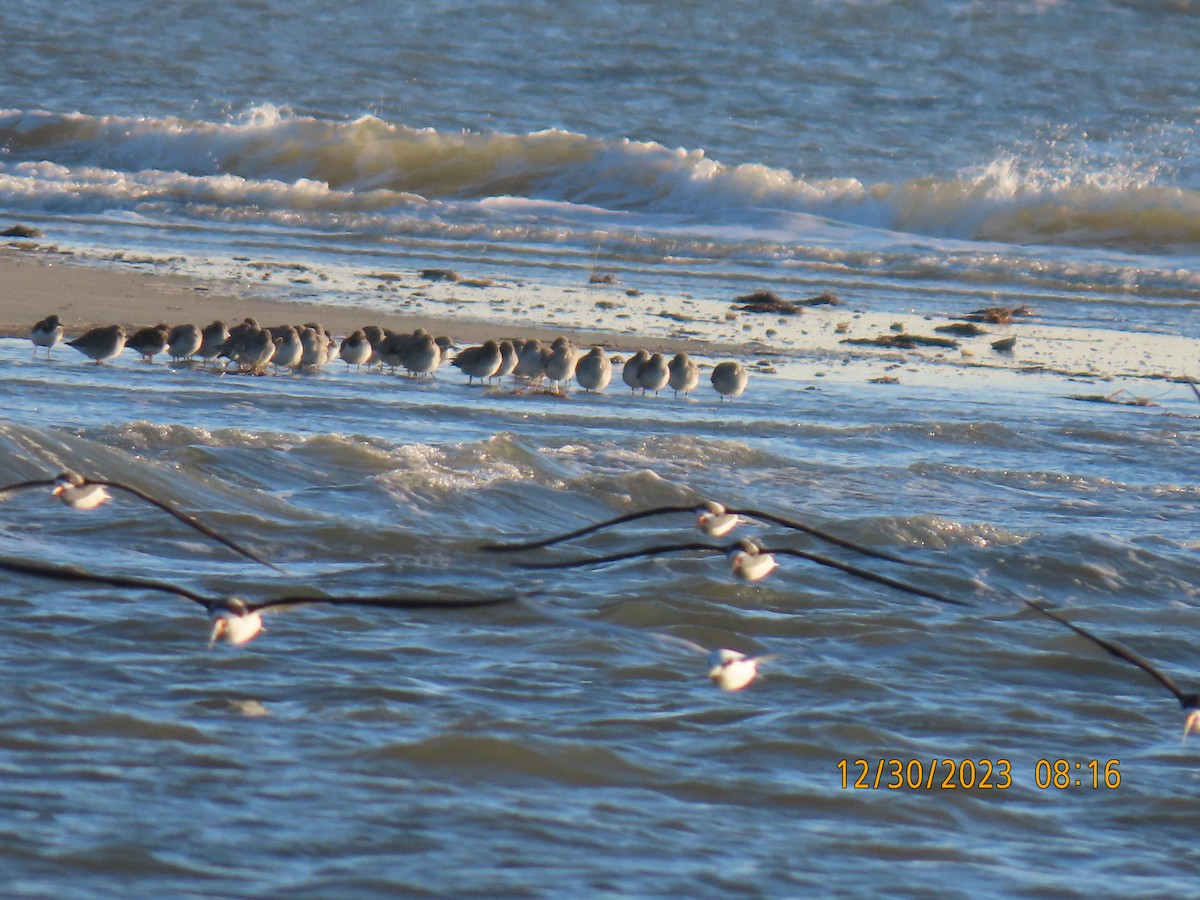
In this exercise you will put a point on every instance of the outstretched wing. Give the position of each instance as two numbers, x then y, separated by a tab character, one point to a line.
385	602
1116	650
589	529
830	538
657	550
190	521
866	575
22	485
78	575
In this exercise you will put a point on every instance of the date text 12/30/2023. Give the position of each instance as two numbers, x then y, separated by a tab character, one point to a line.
975	774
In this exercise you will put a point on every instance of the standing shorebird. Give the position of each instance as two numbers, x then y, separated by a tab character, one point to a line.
355	349
685	374
234	619
150	342
594	370
479	362
653	374
729	379
101	344
212	340
46	333
288	349
422	355
629	374
184	341
559	365
82	493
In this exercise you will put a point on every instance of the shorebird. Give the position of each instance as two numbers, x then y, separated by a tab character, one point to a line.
355	349
629	374
1189	702
750	562
150	342
559	365
479	362
653	374
422	355
101	344
529	360
733	671
594	370
685	374
713	519
508	359
234	619
83	493
375	336
729	379
288	349
212	340
46	333
184	341
314	349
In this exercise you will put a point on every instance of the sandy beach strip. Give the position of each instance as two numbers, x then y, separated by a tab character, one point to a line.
37	282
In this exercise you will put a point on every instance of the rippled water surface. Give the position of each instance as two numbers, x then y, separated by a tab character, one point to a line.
916	157
504	751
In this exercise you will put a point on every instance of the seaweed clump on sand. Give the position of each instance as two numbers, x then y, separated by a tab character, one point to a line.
903	341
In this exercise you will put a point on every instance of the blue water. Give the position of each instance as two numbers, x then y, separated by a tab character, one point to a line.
913	157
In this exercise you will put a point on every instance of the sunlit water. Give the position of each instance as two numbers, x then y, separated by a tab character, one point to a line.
912	157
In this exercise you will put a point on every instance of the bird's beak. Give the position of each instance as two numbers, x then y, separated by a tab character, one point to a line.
1191	723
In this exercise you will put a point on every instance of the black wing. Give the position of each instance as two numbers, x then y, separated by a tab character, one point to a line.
76	574
188	520
22	485
580	532
1195	390
1119	652
868	576
656	550
830	538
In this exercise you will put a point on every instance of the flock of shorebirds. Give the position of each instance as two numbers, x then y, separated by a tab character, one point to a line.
252	349
238	620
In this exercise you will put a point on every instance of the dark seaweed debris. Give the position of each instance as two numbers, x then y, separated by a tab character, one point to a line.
902	341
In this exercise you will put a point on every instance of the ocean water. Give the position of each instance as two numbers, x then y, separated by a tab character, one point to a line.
911	157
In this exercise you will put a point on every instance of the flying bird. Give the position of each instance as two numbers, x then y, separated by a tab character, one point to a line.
750	562
234	619
715	520
1189	702
79	492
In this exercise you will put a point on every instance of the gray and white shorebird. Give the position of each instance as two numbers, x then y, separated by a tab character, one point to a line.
82	493
421	356
480	362
508	359
629	374
288	349
149	342
684	374
749	561
1190	702
46	333
100	344
314	352
712	519
559	365
355	349
594	370
212	340
237	620
529	360
729	379
254	350
184	341
653	374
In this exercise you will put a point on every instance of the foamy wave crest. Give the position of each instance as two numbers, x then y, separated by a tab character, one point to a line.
272	164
